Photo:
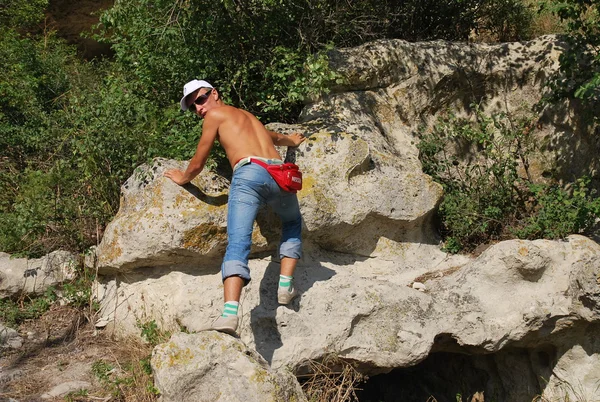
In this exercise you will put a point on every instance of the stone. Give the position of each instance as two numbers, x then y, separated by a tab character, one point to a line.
9	338
34	276
66	387
217	367
369	237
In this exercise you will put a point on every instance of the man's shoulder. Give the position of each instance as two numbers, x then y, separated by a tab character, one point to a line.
222	112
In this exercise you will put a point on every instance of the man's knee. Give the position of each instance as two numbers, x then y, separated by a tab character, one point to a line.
291	248
235	268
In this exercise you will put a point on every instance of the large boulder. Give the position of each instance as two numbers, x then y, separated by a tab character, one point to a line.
375	288
33	276
346	186
532	295
215	367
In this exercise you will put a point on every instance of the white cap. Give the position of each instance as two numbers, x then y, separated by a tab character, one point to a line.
190	87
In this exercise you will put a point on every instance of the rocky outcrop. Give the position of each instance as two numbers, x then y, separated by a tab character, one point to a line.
407	86
375	287
34	276
215	367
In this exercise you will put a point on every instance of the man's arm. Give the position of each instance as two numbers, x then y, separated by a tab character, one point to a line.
292	140
196	164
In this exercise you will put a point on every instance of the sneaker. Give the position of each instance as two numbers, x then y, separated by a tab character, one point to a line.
285	296
227	325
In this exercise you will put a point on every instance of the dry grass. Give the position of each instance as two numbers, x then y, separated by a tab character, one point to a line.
117	370
125	371
545	22
331	380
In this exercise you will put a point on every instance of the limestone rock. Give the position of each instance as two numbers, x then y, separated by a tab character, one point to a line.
34	276
409	85
64	388
211	366
162	224
365	310
367	210
9	337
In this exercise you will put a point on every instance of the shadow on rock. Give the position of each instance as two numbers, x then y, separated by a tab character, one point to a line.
264	318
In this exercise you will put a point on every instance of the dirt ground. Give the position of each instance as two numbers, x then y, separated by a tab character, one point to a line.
62	347
71	18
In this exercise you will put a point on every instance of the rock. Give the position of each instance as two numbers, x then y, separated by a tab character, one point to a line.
162	224
6	333
409	85
9	338
9	375
217	367
370	243
34	276
64	388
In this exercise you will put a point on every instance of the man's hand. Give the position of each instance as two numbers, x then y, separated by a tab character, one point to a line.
292	140
176	175
296	139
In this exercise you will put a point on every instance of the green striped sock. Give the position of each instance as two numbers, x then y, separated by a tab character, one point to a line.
231	308
285	282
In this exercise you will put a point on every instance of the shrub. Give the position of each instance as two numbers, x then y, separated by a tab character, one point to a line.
482	190
579	75
557	213
489	194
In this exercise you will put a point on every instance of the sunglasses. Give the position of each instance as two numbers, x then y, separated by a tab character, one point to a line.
200	100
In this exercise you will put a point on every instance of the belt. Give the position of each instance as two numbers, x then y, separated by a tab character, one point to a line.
248	159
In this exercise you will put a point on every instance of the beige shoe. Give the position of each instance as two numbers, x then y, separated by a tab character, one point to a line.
285	296
227	325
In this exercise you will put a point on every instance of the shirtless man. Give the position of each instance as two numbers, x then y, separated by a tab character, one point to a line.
243	136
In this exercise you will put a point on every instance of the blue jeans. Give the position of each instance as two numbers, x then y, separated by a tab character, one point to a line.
252	187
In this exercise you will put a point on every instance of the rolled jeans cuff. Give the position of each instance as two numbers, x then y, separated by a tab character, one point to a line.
291	249
235	268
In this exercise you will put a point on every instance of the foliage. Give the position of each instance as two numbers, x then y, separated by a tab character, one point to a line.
580	62
14	312
556	212
151	333
250	50
21	14
506	20
488	192
76	293
70	134
480	192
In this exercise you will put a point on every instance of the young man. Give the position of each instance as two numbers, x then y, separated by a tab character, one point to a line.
243	137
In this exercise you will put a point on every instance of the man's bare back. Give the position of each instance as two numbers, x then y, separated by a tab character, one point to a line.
239	132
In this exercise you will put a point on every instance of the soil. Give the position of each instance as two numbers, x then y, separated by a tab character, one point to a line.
57	348
71	18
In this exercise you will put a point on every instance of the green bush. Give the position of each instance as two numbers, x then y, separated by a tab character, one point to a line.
488	192
481	190
14	312
71	133
557	213
579	75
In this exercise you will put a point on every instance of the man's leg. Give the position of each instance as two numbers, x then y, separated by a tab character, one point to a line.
288	266
232	288
244	203
290	249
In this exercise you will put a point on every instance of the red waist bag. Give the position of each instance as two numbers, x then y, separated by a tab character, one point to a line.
287	175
